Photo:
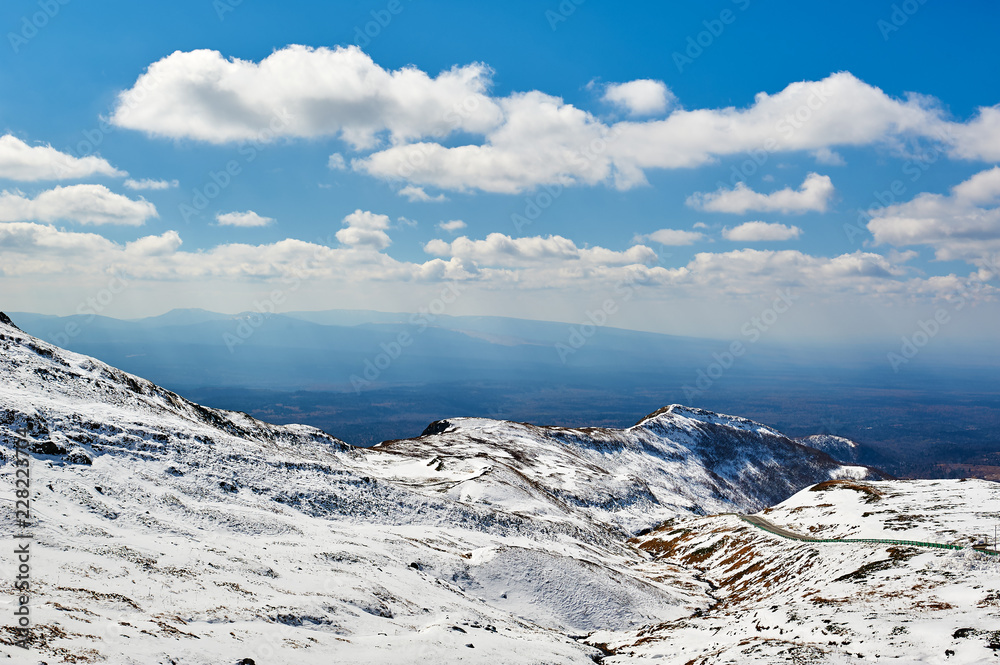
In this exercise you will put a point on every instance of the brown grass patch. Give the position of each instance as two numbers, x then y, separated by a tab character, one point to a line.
872	494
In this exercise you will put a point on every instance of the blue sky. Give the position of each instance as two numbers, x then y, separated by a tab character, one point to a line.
704	156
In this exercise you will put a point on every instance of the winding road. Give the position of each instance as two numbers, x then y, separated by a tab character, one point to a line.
770	527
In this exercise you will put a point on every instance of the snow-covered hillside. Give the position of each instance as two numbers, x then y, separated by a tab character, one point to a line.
964	511
167	532
837	447
677	460
781	600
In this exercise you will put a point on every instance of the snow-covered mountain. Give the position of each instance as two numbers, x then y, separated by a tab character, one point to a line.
837	447
676	460
169	532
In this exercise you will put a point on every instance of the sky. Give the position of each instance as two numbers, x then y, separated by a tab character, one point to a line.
676	169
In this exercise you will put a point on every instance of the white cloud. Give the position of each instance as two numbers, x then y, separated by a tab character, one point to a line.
36	249
977	139
542	141
814	194
85	204
640	97
246	219
365	230
148	183
299	91
751	270
417	194
529	139
673	237
452	226
839	110
828	157
760	232
502	250
336	162
19	161
151	246
962	225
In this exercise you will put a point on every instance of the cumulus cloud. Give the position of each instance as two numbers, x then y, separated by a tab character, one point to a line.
497	264
828	157
365	230
840	110
977	139
150	246
299	91
544	141
247	219
813	195
502	250
748	270
673	237
452	226
529	138
964	224
20	161
148	183
417	194
336	162
85	204
31	249
760	232
640	97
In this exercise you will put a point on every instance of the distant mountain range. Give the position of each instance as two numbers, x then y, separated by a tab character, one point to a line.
356	350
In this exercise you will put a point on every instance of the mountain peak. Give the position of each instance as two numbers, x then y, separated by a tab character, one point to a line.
676	413
5	320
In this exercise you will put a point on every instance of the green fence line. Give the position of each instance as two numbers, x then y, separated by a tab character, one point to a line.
878	541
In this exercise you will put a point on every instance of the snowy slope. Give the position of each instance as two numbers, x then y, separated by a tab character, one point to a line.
167	532
677	460
780	600
964	511
837	447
